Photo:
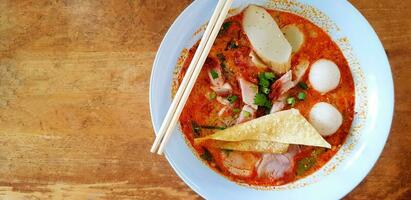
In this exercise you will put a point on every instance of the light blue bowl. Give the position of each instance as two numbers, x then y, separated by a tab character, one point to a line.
374	103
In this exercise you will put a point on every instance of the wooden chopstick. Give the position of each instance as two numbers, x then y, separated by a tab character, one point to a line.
187	76
193	78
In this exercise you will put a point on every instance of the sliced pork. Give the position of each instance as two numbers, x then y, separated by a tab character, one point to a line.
240	163
247	114
282	85
286	82
277	165
300	71
277	106
248	92
222	111
223	101
224	89
216	76
243	62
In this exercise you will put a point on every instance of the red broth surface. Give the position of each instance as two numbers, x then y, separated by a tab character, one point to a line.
202	109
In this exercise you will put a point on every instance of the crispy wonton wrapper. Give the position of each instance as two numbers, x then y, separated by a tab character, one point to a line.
248	145
271	133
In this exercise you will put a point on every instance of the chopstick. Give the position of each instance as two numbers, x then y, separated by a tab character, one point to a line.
187	76
192	73
195	74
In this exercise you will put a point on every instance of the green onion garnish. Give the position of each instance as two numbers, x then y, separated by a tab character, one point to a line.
221	57
227	151
213	127
301	95
303	85
226	25
232	45
213	95
262	100
196	128
206	155
291	101
269	75
214	74
232	99
265	90
304	165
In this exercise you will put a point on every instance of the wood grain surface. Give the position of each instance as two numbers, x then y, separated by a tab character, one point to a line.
74	114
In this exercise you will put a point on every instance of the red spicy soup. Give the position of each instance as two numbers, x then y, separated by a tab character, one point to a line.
207	112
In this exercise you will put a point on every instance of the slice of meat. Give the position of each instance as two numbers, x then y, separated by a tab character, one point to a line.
224	89
241	56
223	101
222	111
277	106
248	92
239	163
245	66
286	82
216	76
247	114
275	166
300	71
282	85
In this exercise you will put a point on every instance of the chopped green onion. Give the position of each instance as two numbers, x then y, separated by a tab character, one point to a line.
291	101
232	99
307	163
223	65
303	85
265	90
227	151
236	110
226	25
264	83
265	79
304	165
246	114
213	95
213	127
232	45
214	74
301	95
196	128
317	151
206	155
262	100
269	75
221	57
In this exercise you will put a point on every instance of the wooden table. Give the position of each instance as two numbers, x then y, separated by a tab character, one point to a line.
74	115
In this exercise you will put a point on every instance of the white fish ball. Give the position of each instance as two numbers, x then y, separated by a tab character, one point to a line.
324	76
325	118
